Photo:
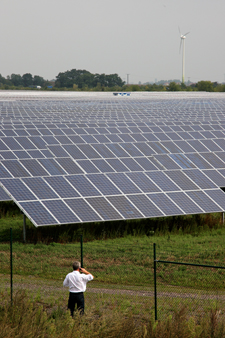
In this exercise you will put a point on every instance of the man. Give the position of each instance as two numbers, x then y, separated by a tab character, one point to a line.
76	282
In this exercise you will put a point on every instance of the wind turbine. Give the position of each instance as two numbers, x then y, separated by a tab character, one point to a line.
182	40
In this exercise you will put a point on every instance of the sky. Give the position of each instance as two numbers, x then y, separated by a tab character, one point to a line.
136	37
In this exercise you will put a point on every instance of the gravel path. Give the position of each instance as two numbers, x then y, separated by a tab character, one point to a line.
185	295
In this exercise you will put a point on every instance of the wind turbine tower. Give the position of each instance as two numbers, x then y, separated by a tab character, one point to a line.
182	41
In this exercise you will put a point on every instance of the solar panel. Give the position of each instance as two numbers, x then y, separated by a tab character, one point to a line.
125	207
131	164
158	148
103	184
88	151
117	150
25	143
90	157
87	166
198	160
144	148
172	147
58	151
61	186
145	163
185	203
83	210
220	143
131	149
104	208
15	168
182	160
162	136
18	190
73	151
61	211
103	166
167	162
52	167
38	142
215	176
37	213
34	168
123	183
69	166
11	143
145	206
211	145
198	146
103	150
83	185
181	180
217	196
162	181
167	206
8	155
213	160
200	179
201	199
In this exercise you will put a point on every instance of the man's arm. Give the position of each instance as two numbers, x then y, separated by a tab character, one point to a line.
86	272
66	282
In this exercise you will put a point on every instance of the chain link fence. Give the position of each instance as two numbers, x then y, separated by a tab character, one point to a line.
181	283
128	278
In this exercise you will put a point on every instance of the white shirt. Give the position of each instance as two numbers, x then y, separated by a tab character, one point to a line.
77	281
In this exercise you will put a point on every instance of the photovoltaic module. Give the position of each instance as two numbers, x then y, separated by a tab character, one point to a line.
72	157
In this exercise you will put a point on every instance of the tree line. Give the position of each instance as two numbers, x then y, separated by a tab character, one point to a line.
26	80
83	80
71	79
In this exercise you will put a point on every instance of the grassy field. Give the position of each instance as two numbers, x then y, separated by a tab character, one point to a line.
123	261
33	318
123	270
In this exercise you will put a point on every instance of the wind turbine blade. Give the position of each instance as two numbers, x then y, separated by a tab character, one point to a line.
186	33
179	29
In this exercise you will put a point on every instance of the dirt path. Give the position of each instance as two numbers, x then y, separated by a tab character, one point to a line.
138	293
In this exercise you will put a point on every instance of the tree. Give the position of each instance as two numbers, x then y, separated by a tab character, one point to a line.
82	78
173	87
16	80
205	86
114	80
27	80
38	81
3	80
85	79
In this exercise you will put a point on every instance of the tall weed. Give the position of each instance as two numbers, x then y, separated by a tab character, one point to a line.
27	318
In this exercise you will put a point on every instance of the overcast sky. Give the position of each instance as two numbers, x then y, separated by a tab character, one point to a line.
136	37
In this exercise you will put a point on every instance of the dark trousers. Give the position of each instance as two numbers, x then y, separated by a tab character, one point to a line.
76	298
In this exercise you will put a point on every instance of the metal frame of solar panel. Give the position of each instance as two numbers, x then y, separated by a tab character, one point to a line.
90	157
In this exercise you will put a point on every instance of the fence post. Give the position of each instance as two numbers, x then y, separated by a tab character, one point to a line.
155	288
11	267
81	250
24	228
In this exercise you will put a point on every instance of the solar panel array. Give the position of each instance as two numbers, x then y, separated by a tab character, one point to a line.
90	157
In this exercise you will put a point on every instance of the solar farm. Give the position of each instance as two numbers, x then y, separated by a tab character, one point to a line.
75	157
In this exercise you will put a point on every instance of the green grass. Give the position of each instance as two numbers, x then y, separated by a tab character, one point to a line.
127	260
118	264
